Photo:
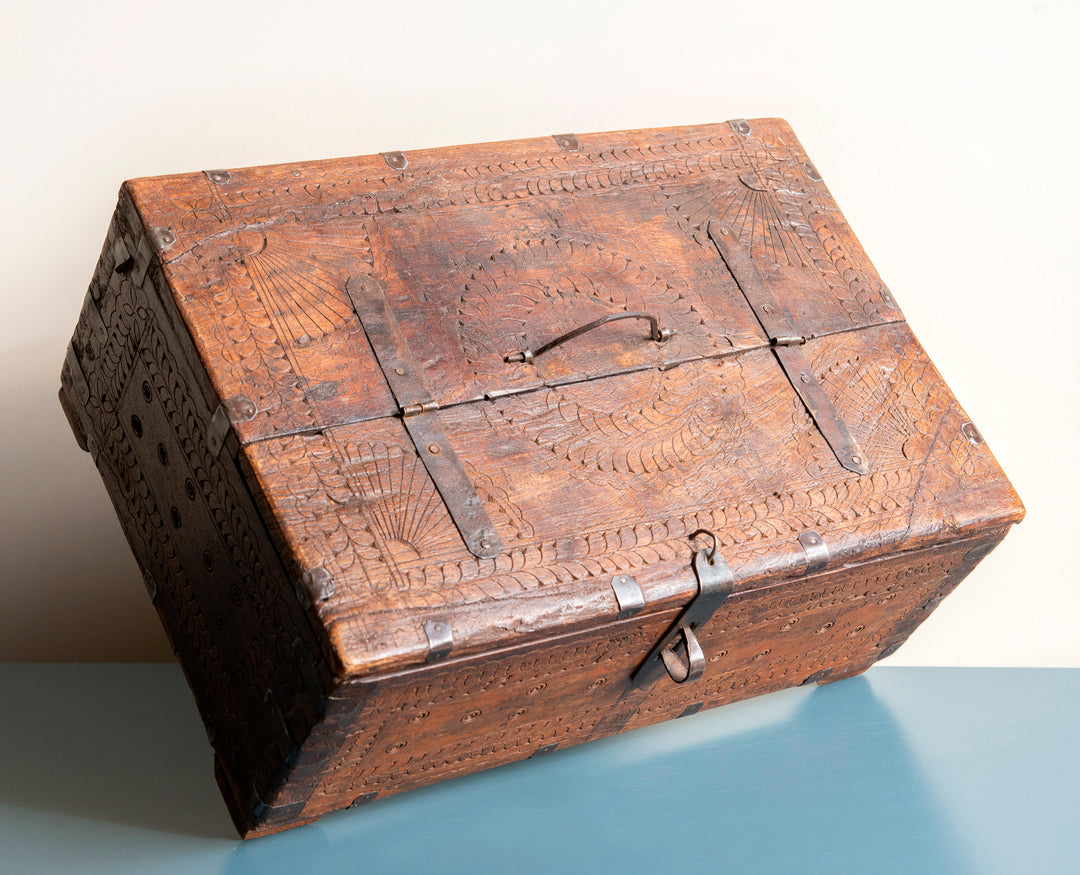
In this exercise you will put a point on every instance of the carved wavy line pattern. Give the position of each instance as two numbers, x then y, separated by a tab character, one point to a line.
773	208
514	297
745	529
272	293
313	476
859	301
494	491
856	634
473	184
812	222
254	353
400	501
388	516
677	418
971	467
741	527
352	773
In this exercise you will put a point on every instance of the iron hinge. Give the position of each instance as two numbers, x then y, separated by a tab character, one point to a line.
420	415
416	409
787	342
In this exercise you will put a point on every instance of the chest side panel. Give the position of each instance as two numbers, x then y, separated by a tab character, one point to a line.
251	656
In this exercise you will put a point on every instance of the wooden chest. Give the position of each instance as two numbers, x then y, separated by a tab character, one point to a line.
440	460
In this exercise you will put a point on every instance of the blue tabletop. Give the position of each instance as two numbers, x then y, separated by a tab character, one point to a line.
900	770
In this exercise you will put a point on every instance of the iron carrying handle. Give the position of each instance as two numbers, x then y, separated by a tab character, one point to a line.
656	333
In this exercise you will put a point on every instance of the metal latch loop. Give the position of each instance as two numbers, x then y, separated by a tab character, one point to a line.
715	582
694	667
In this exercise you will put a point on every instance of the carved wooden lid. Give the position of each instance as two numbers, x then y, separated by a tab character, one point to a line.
597	458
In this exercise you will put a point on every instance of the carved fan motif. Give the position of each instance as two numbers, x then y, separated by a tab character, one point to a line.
400	502
747	206
302	289
901	400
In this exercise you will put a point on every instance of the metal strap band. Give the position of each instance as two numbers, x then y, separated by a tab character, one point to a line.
440	639
628	594
786	340
421	419
773	318
817	551
835	431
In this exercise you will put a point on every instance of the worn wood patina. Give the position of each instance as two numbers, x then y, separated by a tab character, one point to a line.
435	461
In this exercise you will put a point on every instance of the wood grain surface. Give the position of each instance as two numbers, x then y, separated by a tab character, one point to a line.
302	568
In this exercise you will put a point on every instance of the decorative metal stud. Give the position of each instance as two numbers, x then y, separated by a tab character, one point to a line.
568	142
161	238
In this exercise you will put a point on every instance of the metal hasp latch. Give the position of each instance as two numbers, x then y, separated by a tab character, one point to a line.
715	582
419	413
786	342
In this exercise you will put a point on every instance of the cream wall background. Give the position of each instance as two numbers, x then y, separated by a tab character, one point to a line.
946	131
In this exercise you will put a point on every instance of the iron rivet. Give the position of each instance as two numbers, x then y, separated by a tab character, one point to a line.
434	449
162	454
804	378
765	308
399	371
162	238
485	545
303	340
856	460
